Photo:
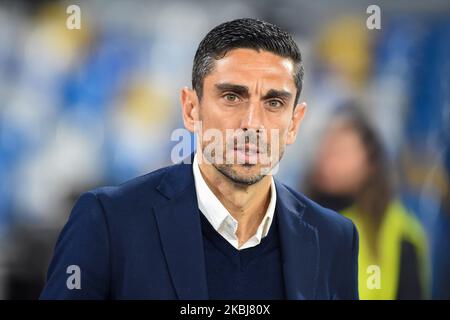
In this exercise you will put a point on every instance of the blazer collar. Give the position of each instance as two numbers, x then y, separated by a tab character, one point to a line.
179	226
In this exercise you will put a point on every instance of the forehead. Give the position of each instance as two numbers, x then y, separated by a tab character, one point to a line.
248	67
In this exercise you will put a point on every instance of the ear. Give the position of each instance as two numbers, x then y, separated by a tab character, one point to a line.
297	118
190	106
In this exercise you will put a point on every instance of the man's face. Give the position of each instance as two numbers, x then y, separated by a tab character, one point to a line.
253	94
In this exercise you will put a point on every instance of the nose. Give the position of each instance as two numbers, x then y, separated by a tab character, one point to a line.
253	118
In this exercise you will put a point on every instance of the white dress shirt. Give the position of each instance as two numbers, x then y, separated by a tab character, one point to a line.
219	217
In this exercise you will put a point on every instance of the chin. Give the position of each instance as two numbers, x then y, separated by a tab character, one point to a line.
241	173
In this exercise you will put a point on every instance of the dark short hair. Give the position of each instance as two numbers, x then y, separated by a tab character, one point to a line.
245	33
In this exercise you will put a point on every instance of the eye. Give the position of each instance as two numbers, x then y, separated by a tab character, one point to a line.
275	103
231	97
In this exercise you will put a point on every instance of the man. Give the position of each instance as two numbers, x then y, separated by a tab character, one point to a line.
215	229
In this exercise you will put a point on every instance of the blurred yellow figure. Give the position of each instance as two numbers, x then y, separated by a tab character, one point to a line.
393	267
351	176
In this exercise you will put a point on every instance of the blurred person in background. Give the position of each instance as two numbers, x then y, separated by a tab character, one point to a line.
351	175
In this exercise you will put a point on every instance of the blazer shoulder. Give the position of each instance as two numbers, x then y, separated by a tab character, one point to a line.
131	193
143	183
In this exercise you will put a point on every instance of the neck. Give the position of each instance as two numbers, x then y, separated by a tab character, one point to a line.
246	203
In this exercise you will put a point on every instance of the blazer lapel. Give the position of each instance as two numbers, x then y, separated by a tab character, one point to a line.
180	231
300	247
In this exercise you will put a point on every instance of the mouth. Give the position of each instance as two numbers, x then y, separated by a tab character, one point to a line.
247	149
247	154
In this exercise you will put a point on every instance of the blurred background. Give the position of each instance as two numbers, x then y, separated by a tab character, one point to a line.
96	106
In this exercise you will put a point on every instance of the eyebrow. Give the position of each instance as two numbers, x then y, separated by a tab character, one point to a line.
244	91
272	93
236	88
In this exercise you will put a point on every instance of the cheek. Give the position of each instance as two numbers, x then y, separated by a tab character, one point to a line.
215	116
277	145
285	135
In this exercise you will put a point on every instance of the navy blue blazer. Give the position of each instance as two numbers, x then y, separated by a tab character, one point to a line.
143	240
